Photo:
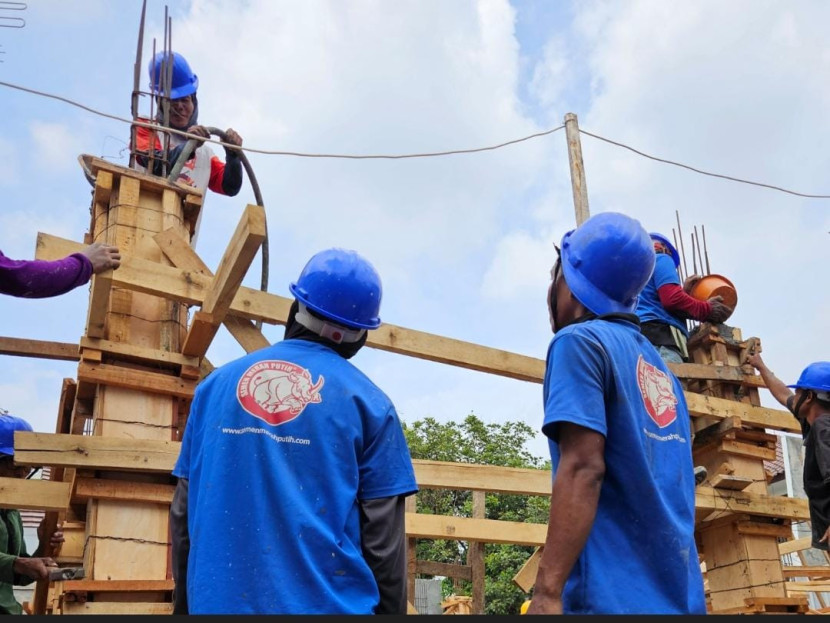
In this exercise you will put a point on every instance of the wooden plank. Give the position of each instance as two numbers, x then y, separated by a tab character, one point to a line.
750	415
757	528
99	299
152	382
525	578
814	572
240	252
116	607
94	452
42	495
475	557
465	529
429	567
474	477
795	545
752	451
86	488
727	481
182	255
699	371
62	351
708	499
139	353
117	586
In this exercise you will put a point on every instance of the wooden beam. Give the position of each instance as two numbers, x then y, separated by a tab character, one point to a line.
443	527
141	380
140	354
43	495
182	255
578	184
116	607
700	371
428	567
240	252
708	499
473	477
795	545
117	586
526	576
708	406
98	303
93	452
104	489
62	351
815	572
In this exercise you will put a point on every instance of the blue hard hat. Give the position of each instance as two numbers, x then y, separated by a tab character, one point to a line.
9	424
607	261
183	81
816	376
342	286
675	256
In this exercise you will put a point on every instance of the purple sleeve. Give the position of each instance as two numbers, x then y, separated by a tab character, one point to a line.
40	279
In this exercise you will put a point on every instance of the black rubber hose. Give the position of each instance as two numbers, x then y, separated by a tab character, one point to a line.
258	196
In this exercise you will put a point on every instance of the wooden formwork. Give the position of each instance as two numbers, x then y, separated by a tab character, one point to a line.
119	423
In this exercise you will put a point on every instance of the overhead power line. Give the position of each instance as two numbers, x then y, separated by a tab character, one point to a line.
686	166
403	156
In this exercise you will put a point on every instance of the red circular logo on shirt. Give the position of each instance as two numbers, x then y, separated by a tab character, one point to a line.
657	391
277	391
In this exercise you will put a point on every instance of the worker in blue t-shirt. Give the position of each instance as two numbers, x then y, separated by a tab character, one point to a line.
620	535
294	467
664	306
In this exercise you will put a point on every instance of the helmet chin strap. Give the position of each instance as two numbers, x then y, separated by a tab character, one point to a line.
331	331
799	403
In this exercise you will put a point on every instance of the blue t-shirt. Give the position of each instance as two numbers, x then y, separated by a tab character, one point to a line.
640	556
279	448
649	307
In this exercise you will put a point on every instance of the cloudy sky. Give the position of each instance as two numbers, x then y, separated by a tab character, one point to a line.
463	243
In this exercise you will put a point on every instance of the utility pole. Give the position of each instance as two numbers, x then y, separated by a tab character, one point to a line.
577	169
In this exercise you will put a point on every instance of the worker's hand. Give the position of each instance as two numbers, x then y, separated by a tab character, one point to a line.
720	311
102	256
690	283
824	538
755	361
35	568
541	604
55	539
232	138
199	130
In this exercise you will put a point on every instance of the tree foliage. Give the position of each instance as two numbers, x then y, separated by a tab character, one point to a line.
473	441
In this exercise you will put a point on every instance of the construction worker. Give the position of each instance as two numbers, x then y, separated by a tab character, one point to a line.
664	305
17	566
294	467
41	279
203	169
810	404
620	536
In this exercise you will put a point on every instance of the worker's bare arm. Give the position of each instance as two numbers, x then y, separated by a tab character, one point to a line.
776	387
573	507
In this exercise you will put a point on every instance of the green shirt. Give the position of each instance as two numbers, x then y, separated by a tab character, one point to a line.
12	546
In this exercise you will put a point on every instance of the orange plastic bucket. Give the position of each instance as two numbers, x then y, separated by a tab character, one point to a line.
715	285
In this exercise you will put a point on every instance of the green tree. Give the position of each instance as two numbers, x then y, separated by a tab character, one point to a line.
473	441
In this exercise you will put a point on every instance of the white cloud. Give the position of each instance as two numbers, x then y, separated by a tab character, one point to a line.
8	163
56	145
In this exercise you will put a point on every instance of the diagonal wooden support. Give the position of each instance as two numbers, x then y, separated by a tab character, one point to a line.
238	256
182	255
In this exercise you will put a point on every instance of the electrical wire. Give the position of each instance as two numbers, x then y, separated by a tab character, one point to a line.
414	155
686	166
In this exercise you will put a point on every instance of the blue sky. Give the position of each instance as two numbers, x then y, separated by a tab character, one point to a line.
463	243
